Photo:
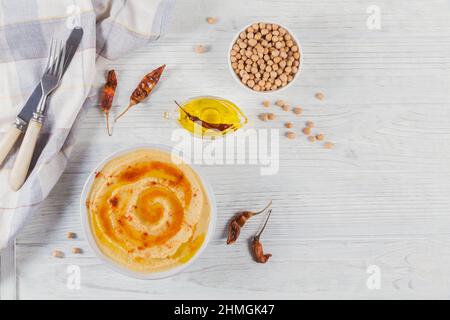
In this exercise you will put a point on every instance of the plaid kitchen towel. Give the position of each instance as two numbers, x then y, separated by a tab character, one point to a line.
111	29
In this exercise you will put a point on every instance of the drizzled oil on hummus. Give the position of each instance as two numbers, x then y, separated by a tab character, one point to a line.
146	212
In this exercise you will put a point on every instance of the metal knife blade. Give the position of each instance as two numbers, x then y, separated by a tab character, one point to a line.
30	106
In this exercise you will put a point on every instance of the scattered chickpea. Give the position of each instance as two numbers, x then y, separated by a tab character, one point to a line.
211	20
297	110
200	49
264	117
309	124
57	254
328	145
71	235
76	250
320	96
166	115
307	130
290	135
280	103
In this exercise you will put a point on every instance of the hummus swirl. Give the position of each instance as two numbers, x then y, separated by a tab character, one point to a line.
146	212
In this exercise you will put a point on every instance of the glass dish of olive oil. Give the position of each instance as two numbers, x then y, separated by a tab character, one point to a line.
210	116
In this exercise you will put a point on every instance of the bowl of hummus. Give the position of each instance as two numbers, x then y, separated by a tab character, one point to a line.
146	213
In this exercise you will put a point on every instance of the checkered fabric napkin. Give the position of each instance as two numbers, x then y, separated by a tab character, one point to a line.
112	28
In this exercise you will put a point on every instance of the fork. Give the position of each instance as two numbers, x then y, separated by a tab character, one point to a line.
49	82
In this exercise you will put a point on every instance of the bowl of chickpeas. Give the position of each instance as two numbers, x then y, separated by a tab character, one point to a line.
265	57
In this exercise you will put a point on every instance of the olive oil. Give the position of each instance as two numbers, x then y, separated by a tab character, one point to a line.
188	250
210	116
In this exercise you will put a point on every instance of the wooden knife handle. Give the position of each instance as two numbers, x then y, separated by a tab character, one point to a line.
8	142
23	160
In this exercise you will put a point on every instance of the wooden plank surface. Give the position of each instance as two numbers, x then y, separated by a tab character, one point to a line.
8	283
380	197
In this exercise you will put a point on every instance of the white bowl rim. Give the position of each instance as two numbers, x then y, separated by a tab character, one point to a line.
114	265
236	78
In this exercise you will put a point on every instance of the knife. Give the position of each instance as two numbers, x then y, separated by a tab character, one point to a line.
26	113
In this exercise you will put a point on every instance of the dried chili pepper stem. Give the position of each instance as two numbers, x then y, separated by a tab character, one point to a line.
258	235
257	247
234	228
107	123
144	88
131	104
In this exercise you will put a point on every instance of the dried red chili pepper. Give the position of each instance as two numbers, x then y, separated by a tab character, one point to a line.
207	125
257	247
109	91
144	88
235	225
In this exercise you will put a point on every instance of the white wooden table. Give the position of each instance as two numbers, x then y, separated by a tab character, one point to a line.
380	198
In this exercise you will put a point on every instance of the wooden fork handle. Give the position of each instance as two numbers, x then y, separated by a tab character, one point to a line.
23	160
8	142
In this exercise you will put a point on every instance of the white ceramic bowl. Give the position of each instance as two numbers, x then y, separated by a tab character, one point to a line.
235	76
119	267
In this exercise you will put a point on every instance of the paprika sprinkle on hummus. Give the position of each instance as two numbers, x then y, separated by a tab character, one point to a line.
148	213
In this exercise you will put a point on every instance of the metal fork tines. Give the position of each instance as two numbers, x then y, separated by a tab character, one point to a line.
52	76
